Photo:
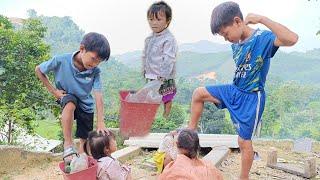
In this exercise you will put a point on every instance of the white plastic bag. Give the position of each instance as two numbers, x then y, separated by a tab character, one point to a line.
79	163
148	94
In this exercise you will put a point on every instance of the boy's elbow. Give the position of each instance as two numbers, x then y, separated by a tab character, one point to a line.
293	40
36	69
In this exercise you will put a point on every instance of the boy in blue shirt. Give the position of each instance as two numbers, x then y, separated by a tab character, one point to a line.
252	50
76	74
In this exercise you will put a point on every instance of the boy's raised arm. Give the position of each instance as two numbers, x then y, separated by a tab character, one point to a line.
284	36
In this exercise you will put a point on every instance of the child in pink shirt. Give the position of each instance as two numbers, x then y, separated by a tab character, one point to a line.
187	165
100	147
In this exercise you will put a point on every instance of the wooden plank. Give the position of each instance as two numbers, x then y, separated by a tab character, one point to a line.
126	153
206	140
217	155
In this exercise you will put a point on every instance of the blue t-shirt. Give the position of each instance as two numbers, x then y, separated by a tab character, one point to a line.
252	58
68	78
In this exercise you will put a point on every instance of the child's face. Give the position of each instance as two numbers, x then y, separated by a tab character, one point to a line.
90	59
113	145
158	24
231	33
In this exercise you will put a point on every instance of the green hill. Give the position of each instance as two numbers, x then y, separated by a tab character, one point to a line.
301	67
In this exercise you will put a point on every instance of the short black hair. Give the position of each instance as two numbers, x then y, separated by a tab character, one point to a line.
98	43
97	143
223	15
189	141
160	6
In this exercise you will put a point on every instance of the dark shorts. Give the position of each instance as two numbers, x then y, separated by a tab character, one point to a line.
84	120
245	108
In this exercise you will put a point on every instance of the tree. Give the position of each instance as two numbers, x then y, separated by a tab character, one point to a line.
176	119
213	121
21	94
292	111
177	114
32	13
63	35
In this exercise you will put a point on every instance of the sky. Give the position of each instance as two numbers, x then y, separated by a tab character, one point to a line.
125	25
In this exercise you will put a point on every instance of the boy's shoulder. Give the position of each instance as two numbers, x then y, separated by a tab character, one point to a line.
259	35
63	57
262	33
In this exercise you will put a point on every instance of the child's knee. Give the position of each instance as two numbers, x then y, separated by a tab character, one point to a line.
70	106
245	145
198	93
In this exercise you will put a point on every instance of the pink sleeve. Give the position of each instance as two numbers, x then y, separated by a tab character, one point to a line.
116	171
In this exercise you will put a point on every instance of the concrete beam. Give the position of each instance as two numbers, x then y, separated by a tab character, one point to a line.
308	171
206	140
217	155
126	153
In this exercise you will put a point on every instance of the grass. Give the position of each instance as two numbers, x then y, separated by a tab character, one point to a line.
48	129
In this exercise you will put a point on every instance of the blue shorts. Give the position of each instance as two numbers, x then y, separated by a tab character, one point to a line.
245	108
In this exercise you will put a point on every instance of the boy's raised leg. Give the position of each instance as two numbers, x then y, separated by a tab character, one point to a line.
247	153
67	118
200	95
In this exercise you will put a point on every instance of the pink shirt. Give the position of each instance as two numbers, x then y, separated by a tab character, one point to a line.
191	169
111	169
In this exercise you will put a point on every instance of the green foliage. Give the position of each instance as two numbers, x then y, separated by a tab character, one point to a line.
62	34
22	95
177	119
177	115
292	111
213	121
161	124
5	23
117	77
112	124
48	129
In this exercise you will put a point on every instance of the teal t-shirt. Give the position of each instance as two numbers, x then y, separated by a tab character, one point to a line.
68	78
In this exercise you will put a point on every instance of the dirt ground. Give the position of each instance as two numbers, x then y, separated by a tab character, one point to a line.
230	167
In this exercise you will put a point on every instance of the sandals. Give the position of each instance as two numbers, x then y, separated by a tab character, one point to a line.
256	156
70	151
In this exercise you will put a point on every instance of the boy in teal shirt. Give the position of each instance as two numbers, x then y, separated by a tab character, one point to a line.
76	75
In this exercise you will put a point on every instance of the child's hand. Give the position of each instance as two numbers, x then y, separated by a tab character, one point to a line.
173	133
162	79
253	19
59	93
